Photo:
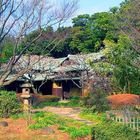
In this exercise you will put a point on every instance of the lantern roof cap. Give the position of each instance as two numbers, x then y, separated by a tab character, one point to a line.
27	85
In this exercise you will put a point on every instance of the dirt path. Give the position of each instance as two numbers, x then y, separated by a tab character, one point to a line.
68	112
18	130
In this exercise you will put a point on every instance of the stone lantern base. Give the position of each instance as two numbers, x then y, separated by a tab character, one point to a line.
26	102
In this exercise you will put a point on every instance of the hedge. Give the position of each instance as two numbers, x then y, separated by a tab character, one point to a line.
113	131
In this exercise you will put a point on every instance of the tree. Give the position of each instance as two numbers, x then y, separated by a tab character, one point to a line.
8	45
81	20
90	31
122	56
82	34
86	35
18	19
63	48
130	21
124	50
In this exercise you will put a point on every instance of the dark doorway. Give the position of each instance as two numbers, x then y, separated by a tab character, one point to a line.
14	86
66	86
45	89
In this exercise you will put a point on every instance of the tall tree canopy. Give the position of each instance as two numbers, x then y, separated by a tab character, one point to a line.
86	35
118	28
130	21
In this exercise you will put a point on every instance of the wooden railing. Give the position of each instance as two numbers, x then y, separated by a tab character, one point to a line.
131	120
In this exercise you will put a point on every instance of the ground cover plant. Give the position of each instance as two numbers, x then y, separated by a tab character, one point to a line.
108	130
74	128
94	117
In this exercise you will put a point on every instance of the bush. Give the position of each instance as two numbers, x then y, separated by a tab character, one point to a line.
70	103
113	131
97	102
48	98
74	98
83	100
9	104
40	101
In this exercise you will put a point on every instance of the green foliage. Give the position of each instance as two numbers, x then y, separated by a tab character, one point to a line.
96	102
73	127
90	31
122	56
81	20
129	18
48	98
108	130
9	104
104	68
38	47
58	40
76	132
6	51
43	120
113	131
75	98
73	102
86	35
18	116
94	117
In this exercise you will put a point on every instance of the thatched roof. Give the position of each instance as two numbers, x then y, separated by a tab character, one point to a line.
44	66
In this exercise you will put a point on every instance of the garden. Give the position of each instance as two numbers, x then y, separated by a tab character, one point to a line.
77	118
69	82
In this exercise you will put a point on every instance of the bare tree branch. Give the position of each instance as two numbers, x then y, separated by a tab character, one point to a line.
19	18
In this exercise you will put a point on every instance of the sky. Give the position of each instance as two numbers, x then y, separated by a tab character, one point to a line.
94	6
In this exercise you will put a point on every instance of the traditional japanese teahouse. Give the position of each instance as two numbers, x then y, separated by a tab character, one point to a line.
51	76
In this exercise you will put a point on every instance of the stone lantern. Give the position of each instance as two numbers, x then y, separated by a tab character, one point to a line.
26	89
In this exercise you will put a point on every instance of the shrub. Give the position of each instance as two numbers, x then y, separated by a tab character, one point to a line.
74	98
113	131
73	102
83	100
9	104
48	98
97	102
